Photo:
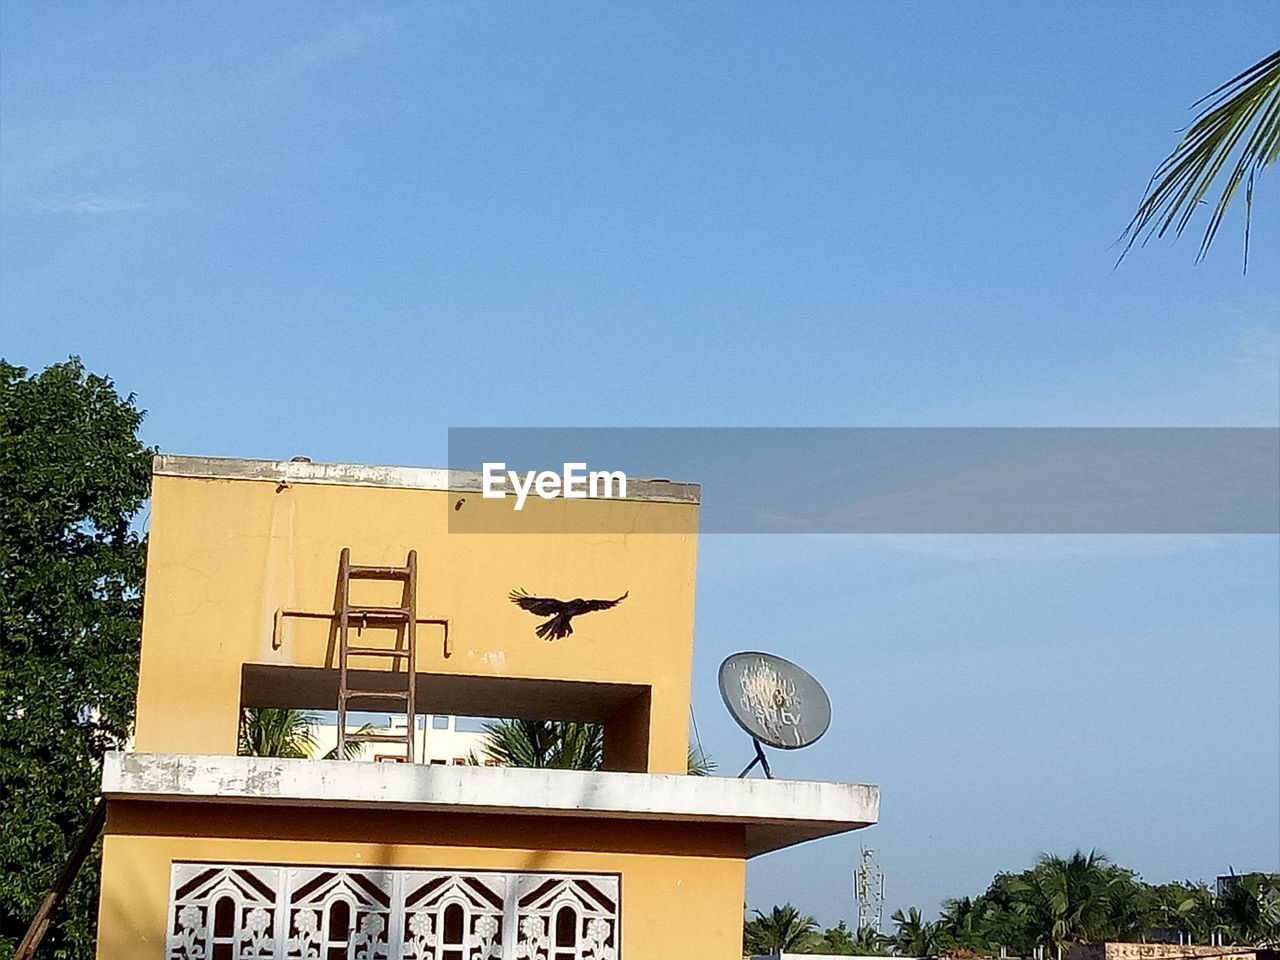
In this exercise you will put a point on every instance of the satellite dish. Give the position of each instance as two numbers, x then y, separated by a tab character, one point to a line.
776	702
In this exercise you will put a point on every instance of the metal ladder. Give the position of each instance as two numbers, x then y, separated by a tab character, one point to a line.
405	615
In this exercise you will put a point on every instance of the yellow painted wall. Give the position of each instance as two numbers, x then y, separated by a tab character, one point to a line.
223	555
683	884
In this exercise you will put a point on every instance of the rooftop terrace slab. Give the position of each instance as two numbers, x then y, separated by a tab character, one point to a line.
774	813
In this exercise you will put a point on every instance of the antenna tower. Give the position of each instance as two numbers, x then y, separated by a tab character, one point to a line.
868	890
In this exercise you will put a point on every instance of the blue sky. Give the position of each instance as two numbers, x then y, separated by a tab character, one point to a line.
663	215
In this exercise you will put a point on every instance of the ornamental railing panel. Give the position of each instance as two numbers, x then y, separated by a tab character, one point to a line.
223	911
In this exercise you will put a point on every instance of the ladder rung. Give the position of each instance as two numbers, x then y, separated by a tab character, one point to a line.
375	652
376	738
378	613
392	694
377	573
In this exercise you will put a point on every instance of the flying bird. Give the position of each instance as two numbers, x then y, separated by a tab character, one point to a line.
560	611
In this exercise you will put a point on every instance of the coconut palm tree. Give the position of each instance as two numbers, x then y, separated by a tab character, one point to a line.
963	925
782	930
700	762
1249	909
271	732
842	941
1067	899
1243	113
1004	923
274	732
559	745
870	942
553	744
915	936
1133	908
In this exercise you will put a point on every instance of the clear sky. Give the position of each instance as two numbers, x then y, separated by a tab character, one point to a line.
338	230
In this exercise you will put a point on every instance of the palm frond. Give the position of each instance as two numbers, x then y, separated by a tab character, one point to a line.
272	732
1243	113
544	743
700	763
352	748
782	930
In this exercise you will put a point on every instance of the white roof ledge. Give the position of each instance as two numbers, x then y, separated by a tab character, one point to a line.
775	813
371	475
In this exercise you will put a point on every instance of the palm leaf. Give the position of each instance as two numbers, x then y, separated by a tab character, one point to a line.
544	743
700	763
1243	113
351	749
272	732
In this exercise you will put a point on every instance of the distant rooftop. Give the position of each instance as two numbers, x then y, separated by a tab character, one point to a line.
367	475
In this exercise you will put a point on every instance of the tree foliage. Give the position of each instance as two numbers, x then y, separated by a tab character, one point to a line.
280	732
273	732
1068	899
1249	910
1085	897
73	476
1055	903
554	744
560	745
783	928
1243	113
916	937
840	940
700	762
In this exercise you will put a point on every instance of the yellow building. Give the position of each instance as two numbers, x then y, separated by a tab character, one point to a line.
322	586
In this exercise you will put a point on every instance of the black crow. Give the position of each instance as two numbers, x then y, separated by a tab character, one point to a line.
560	611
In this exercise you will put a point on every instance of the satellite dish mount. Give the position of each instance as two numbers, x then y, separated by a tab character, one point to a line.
776	702
760	759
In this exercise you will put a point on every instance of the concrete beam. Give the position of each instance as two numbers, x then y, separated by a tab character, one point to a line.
471	695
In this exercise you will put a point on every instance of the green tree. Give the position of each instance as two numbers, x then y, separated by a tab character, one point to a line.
1243	113
1131	907
276	732
552	744
73	476
1249	910
1002	923
1066	900
915	937
782	929
1057	902
842	941
1188	908
1164	906
963	925
838	940
559	745
871	943
700	763
1061	900
270	732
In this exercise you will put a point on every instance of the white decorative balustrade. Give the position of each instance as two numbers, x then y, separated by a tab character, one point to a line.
221	911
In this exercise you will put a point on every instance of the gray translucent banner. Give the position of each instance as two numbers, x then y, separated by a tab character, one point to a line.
888	480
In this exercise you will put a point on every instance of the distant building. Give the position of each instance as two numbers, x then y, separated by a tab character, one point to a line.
1157	951
437	739
1228	881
